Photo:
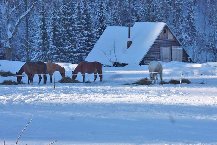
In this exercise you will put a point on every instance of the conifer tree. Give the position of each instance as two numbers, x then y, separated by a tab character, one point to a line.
88	31
79	46
56	35
101	20
190	27
43	43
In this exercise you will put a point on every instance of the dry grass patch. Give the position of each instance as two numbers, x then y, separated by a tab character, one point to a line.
6	74
9	82
183	81
68	80
144	81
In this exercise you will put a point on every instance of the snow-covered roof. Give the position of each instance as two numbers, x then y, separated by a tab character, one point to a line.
112	45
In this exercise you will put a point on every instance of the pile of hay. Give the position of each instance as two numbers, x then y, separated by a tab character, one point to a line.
88	82
186	81
144	81
6	74
163	82
68	80
9	82
183	81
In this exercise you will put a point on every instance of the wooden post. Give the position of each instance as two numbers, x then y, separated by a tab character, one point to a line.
129	41
180	81
54	83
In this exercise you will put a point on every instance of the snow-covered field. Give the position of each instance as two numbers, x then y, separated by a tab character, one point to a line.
112	111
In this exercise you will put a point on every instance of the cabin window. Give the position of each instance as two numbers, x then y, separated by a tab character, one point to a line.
177	53
170	36
165	54
164	34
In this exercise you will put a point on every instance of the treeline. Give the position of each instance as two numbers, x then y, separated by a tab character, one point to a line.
66	30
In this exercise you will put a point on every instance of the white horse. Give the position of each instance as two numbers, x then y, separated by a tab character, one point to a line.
154	69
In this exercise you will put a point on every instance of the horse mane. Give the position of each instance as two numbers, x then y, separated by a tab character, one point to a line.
76	70
21	69
59	68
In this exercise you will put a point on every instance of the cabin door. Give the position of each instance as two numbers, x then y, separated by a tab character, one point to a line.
177	53
165	53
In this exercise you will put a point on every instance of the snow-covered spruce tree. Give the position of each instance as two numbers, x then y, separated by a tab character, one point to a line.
112	15
66	37
137	12
150	11
26	43
34	33
12	16
43	42
56	43
190	28
101	19
214	27
23	36
88	30
77	51
177	20
212	35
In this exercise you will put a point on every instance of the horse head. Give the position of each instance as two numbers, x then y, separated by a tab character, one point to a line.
74	75
62	72
152	76
19	77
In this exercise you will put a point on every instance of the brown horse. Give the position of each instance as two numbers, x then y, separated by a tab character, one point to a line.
52	67
88	67
32	68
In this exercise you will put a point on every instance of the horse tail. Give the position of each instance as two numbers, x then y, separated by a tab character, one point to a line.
99	70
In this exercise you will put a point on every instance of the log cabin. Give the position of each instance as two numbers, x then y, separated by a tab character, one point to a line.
137	45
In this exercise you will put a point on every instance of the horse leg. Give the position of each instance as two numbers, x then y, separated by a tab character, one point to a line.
45	78
161	77
154	76
151	75
100	74
83	77
39	79
95	76
51	75
31	78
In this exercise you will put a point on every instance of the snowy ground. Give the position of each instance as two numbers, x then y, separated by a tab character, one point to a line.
111	112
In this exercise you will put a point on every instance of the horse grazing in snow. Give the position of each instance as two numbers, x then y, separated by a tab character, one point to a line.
88	67
32	68
52	67
154	69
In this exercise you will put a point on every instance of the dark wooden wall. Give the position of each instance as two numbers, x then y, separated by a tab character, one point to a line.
162	41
